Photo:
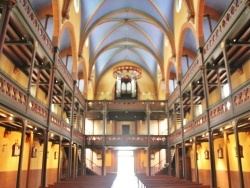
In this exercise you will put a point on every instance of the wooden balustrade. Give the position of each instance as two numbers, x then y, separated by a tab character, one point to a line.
122	140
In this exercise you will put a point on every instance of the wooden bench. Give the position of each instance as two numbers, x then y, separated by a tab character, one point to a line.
86	181
164	181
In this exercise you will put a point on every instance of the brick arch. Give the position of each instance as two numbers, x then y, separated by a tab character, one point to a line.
179	51
70	27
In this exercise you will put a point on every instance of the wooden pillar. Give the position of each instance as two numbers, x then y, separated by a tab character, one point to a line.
47	129
4	21
32	65
225	136
59	160
195	162
71	154
237	142
20	161
136	127
210	134
177	167
149	147
183	157
44	158
30	155
227	67
83	159
83	152
104	143
63	97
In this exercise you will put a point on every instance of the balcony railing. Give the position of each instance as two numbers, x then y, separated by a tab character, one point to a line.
126	140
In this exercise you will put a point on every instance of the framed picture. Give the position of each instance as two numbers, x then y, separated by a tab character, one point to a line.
206	153
15	150
34	151
220	153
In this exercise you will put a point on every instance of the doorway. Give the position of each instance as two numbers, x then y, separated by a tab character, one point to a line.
125	129
125	171
125	163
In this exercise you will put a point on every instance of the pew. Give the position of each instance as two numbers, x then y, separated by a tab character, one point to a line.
86	181
165	181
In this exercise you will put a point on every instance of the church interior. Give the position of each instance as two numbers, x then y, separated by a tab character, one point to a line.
160	88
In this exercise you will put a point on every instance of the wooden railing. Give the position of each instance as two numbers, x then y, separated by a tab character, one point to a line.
94	167
126	140
159	166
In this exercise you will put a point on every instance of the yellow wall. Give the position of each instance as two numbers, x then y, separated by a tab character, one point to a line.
238	78
7	66
201	161
8	162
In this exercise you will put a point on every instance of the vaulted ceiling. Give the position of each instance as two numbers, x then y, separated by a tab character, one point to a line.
130	30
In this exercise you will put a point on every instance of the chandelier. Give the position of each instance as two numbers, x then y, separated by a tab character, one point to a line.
126	72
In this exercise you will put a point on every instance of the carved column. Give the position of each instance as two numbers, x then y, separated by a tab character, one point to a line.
4	21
